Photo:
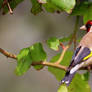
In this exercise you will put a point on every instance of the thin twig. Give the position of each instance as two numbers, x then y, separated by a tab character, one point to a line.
7	54
10	10
62	55
62	45
6	3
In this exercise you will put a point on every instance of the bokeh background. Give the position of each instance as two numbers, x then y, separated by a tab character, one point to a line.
21	30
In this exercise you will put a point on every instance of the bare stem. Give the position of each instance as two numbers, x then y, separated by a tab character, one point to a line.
10	10
62	54
7	54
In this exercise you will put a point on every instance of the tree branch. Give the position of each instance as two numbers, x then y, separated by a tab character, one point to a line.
57	64
62	54
45	63
9	7
6	3
7	54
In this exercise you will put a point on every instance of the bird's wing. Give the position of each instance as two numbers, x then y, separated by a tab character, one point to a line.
81	54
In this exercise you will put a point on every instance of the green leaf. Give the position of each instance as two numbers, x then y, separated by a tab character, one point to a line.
37	53
65	39
78	84
38	67
86	76
53	43
24	61
83	9
88	14
1	2
58	73
42	1
13	4
66	5
51	7
62	88
36	7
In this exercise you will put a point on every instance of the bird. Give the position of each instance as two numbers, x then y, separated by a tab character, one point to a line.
82	54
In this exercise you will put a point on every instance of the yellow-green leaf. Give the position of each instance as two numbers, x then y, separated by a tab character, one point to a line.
24	61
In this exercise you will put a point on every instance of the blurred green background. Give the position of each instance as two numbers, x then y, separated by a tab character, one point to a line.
21	30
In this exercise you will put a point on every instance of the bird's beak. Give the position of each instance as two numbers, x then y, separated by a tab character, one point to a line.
83	27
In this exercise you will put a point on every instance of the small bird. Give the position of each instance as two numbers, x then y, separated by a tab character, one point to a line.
82	54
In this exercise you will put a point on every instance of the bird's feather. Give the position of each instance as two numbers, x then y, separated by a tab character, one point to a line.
81	54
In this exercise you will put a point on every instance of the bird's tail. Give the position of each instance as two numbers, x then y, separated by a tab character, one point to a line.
68	78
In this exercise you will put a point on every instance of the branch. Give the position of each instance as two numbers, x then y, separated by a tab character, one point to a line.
62	54
6	3
7	54
9	7
45	63
57	64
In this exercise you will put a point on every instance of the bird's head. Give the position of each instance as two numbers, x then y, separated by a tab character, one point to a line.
87	27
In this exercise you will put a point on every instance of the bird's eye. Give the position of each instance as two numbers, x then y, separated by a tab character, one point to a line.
88	26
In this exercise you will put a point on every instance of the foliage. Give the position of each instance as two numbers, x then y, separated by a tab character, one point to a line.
83	9
59	74
36	7
24	61
34	53
27	57
53	43
78	85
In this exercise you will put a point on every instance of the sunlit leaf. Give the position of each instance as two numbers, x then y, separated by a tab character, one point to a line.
24	61
51	7
37	52
53	43
78	84
63	88
66	5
